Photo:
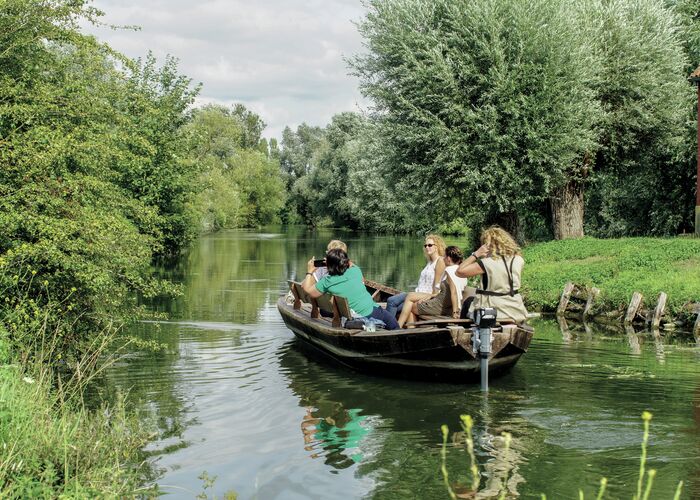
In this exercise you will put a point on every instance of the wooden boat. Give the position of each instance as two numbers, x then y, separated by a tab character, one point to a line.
436	348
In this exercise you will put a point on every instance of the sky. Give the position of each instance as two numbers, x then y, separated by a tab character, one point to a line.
283	59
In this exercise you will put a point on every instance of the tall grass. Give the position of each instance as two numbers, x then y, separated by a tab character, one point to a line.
51	445
643	490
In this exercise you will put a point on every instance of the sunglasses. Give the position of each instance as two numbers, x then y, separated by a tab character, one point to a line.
429	245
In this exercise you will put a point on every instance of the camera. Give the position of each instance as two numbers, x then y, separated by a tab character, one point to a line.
320	263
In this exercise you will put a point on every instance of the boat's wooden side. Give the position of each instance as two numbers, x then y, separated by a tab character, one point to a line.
431	351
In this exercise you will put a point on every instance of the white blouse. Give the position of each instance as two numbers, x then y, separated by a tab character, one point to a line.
460	283
427	277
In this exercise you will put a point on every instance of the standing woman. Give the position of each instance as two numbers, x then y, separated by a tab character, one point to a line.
500	265
429	281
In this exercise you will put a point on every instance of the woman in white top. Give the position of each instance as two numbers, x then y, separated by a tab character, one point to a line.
448	301
430	277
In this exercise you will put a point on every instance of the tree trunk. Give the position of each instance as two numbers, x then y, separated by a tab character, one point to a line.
567	211
508	221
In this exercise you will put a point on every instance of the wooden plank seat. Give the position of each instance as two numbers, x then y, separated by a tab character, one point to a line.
336	307
440	320
446	320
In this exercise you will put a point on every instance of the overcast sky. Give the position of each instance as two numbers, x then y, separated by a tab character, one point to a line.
283	59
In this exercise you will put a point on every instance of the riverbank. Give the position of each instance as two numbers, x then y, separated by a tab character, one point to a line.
618	267
53	447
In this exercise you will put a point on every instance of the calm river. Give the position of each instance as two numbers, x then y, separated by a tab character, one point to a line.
232	395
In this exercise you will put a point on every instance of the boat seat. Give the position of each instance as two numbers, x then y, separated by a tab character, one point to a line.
440	320
336	306
300	295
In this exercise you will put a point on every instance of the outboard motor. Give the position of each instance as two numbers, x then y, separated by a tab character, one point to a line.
485	320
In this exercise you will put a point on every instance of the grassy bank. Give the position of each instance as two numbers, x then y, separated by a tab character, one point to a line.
51	447
618	267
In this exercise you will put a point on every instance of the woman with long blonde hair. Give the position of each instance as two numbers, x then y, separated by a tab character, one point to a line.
500	265
429	280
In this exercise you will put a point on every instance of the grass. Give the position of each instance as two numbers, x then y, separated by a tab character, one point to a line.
51	446
51	449
618	267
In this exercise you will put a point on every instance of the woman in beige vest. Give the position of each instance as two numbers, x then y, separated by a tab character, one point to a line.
500	265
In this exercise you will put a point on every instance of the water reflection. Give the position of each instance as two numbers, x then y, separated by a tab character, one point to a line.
391	428
231	393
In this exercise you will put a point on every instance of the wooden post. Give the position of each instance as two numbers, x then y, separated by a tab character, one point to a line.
565	296
592	295
658	311
633	340
635	303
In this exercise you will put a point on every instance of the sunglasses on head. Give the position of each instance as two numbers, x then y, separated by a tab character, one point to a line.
429	245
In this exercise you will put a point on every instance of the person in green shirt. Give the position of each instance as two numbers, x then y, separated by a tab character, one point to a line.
345	280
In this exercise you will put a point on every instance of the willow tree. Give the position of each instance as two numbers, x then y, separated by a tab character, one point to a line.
485	104
642	172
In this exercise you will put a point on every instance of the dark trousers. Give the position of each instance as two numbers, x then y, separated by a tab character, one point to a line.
387	318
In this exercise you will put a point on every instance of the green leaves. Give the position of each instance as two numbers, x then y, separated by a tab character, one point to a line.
92	182
497	106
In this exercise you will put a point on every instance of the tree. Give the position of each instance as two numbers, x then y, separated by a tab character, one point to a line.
156	101
262	190
484	104
81	127
374	204
297	158
641	170
329	177
251	126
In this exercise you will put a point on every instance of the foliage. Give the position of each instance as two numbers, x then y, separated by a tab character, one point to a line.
329	178
617	267
374	203
52	449
492	109
52	446
261	187
240	183
642	171
155	106
297	158
689	13
469	95
92	184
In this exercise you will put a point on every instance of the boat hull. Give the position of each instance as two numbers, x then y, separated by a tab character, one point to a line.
432	353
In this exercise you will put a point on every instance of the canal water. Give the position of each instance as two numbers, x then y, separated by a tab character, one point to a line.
232	395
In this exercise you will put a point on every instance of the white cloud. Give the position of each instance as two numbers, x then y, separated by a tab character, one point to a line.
282	59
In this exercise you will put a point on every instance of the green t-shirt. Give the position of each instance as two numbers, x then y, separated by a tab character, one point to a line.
349	285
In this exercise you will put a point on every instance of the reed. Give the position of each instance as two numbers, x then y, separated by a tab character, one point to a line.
52	445
643	491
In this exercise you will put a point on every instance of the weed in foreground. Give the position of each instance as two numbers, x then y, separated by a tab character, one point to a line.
643	490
